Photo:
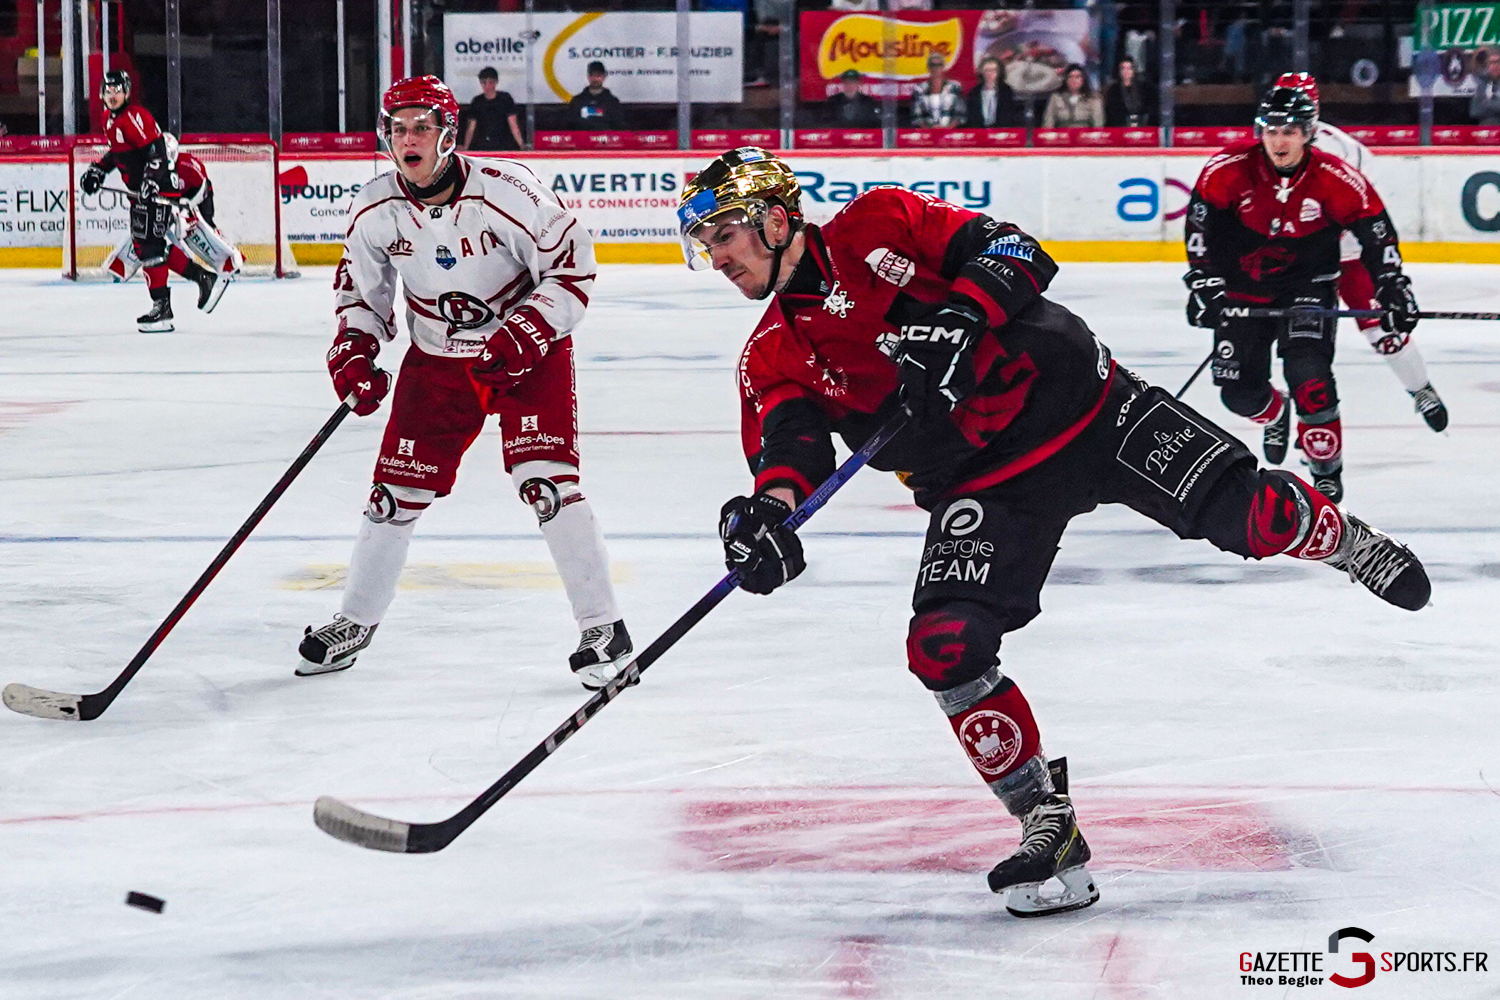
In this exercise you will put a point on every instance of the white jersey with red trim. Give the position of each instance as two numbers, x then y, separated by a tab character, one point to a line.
1331	139
503	242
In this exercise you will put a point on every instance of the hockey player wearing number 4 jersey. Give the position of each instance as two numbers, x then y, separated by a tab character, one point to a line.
1021	421
1263	230
496	275
1356	287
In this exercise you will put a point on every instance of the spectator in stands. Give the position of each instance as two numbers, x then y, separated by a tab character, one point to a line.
594	107
1075	105
1129	100
1484	106
493	123
851	107
992	104
940	102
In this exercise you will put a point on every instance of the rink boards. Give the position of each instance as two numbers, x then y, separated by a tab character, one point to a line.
1088	204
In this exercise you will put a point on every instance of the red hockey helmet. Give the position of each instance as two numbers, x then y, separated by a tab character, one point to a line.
1304	82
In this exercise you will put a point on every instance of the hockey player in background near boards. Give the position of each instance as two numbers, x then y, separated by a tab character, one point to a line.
138	150
1356	287
496	275
1263	230
1021	421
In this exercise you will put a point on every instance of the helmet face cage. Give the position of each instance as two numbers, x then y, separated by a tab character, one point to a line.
447	136
749	180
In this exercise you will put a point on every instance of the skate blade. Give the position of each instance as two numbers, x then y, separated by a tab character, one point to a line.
307	668
1078	891
158	327
598	676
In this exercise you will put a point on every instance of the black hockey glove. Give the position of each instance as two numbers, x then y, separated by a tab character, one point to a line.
764	553
1205	305
1395	296
93	179
936	355
149	190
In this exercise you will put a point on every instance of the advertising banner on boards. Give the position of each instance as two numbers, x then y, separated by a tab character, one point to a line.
638	50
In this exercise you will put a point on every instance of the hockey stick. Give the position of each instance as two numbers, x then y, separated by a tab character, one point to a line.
133	196
1314	313
1194	377
82	707
343	821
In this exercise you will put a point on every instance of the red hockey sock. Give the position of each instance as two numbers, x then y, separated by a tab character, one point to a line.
1289	516
998	733
1323	443
178	261
156	276
1272	409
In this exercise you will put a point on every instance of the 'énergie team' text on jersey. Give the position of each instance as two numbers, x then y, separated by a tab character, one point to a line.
1266	234
135	141
818	361
501	241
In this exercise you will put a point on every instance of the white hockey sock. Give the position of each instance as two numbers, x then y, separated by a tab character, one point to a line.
374	568
573	537
1407	363
380	551
577	547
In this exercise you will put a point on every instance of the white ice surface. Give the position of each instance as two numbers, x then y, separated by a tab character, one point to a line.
780	810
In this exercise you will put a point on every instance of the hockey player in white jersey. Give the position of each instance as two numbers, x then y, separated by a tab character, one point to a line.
496	274
1356	287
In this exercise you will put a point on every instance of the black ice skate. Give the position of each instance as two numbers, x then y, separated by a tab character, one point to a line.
1051	848
1431	407
1388	569
210	284
333	647
159	319
1277	433
601	653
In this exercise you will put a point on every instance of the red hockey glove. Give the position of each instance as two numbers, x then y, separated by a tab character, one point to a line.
522	341
351	362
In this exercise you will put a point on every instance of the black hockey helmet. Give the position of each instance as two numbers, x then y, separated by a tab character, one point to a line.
1287	106
115	79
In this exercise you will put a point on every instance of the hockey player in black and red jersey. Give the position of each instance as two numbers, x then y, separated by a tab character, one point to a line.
1263	229
139	151
1356	287
1022	421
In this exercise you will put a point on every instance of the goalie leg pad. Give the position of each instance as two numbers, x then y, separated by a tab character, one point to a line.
573	537
122	262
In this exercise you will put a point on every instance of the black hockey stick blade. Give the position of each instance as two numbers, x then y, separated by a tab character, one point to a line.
355	826
45	704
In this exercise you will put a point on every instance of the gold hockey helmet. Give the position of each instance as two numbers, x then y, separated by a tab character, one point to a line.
747	179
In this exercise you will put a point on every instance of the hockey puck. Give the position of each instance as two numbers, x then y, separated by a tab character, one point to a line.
141	901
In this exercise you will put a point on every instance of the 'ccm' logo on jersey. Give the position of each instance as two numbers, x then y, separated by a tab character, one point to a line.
933	334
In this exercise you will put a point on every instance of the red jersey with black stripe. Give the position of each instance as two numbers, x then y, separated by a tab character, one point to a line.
1267	234
817	363
134	139
502	241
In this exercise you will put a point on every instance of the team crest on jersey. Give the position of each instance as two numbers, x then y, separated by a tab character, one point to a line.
445	258
399	247
889	265
462	310
838	302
